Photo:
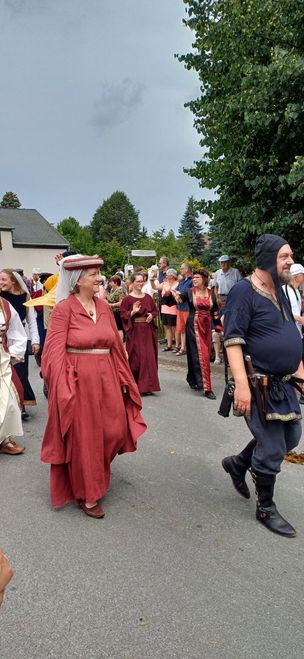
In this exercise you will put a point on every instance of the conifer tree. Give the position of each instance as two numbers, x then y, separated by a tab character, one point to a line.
10	200
191	229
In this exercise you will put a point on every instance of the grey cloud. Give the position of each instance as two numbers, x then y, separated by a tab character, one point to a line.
19	6
116	102
62	13
56	57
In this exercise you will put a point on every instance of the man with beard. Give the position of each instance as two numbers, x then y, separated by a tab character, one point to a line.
259	324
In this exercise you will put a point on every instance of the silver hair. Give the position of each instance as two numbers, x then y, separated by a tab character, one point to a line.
172	272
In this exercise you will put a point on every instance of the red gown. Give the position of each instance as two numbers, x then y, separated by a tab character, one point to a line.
141	342
90	420
198	340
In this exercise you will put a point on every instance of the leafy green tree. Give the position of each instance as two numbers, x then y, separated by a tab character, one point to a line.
191	229
10	200
196	264
79	237
249	57
116	218
166	244
114	256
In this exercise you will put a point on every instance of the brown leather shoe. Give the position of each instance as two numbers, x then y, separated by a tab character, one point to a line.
11	448
96	511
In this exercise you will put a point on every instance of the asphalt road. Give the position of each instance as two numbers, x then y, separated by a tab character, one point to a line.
178	568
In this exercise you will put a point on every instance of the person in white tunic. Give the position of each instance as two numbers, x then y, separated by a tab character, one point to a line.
291	290
14	290
13	342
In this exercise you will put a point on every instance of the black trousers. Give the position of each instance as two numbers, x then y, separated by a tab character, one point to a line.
274	440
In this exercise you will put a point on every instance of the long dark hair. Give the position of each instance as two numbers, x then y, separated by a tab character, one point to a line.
202	272
116	279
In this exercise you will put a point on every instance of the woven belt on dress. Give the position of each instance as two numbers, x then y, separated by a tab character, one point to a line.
140	320
90	351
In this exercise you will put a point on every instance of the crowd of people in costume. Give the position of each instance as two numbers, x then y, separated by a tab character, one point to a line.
97	345
82	329
96	342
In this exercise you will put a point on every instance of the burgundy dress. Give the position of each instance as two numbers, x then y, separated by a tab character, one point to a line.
90	420
141	342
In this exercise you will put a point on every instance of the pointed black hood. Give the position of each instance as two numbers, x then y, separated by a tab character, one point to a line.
266	252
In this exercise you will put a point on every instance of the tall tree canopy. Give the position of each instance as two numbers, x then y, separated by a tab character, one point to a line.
165	244
116	218
250	60
10	200
79	237
114	256
191	229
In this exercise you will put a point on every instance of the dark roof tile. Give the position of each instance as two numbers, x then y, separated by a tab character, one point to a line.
30	228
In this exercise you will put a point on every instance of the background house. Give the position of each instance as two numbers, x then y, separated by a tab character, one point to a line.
28	240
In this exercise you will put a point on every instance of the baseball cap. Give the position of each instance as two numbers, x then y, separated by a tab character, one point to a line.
296	269
223	258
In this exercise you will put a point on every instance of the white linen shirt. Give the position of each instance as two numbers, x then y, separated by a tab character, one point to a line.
294	298
15	334
224	281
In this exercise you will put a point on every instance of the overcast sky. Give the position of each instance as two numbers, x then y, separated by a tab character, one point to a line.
92	102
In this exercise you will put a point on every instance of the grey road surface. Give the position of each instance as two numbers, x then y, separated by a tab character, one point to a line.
178	568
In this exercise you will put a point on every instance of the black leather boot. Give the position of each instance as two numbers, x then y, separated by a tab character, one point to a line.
266	511
237	465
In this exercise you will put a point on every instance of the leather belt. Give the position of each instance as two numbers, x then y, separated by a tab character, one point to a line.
139	320
90	351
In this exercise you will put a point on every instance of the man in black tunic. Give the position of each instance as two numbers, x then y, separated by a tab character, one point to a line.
259	323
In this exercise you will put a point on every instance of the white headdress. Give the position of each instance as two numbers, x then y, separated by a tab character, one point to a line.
71	269
21	283
67	278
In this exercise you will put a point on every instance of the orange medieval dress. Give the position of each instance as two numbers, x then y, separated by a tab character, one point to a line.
90	419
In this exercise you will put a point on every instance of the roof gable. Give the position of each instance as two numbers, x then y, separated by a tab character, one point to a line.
30	228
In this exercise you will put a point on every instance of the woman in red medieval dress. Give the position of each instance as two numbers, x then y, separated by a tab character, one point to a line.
94	404
198	332
137	312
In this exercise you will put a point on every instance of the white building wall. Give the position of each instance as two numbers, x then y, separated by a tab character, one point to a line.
26	258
